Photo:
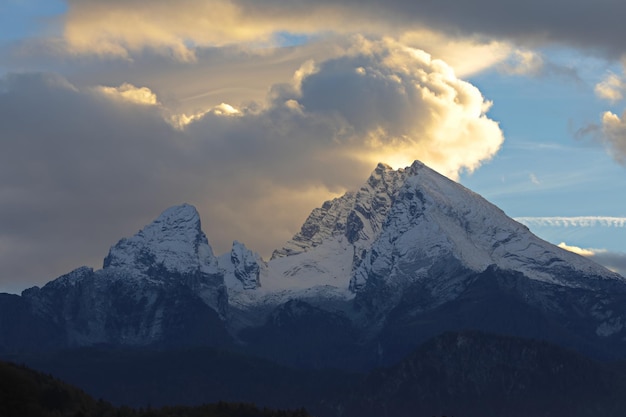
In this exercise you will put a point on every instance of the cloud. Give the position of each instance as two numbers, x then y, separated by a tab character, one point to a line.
83	167
467	55
578	221
615	261
611	88
130	93
404	105
614	135
576	249
533	178
611	133
122	26
523	62
71	164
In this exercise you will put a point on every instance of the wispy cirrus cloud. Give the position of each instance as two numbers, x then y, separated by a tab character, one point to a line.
576	221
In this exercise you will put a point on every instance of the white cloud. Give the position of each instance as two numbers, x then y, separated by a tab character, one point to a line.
611	88
577	221
613	134
468	55
579	251
401	105
130	93
534	179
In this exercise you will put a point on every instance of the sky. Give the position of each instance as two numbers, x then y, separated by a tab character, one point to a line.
257	112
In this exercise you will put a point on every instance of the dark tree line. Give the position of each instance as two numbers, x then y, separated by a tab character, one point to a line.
27	393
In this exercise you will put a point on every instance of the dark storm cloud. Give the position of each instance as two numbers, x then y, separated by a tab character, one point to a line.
615	261
594	24
71	163
120	27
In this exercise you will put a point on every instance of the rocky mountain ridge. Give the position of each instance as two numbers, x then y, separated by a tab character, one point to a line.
370	275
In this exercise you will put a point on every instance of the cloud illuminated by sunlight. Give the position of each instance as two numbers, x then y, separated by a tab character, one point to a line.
466	55
180	121
400	104
576	249
319	132
130	93
614	135
611	88
123	28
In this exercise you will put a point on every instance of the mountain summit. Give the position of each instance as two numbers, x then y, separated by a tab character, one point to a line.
370	276
402	223
174	241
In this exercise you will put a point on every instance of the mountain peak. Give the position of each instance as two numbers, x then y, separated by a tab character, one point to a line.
176	213
382	167
173	241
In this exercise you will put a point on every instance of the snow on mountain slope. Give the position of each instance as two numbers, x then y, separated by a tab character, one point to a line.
358	216
393	230
174	241
408	242
399	224
432	218
396	230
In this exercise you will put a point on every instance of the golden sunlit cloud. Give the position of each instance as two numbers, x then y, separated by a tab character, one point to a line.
418	108
130	93
611	88
614	135
576	249
123	28
466	55
319	132
180	121
120	28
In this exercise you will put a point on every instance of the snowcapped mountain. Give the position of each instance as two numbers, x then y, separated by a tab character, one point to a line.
368	277
174	241
401	222
159	287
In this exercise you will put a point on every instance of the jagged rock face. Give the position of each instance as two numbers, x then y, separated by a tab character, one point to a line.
246	266
407	256
160	287
359	216
420	243
415	228
114	307
174	242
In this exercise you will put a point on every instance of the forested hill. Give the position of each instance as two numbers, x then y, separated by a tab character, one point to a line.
27	393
